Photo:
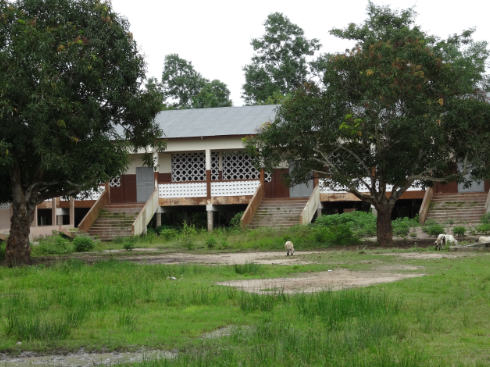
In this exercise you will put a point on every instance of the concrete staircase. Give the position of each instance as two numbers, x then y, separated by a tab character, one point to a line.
278	213
115	220
466	207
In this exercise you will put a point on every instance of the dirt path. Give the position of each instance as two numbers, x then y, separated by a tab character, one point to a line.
81	358
266	258
314	282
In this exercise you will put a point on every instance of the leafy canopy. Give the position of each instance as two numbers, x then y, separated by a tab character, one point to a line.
399	107
186	88
279	63
71	102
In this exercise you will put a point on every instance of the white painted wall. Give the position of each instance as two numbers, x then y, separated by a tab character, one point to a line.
4	219
165	163
135	162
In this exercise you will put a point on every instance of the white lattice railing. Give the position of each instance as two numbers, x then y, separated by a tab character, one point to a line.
181	190
4	205
234	188
93	195
361	188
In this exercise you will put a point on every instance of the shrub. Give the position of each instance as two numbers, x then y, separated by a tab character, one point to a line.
211	242
336	235
83	243
483	228
413	234
460	231
401	226
235	221
186	241
485	218
433	229
364	224
168	233
54	245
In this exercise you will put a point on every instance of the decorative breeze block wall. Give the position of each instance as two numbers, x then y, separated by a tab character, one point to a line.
189	190
236	188
214	166
4	205
189	167
237	166
115	182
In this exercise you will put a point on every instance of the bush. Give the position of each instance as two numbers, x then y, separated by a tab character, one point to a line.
362	223
211	242
54	245
83	243
187	242
433	229
460	231
336	235
483	228
485	218
401	226
235	221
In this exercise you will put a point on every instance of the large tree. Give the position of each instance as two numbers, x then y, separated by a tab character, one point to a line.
183	87
213	94
398	109
70	74
279	63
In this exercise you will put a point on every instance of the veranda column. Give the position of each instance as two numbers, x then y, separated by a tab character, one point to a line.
53	211
209	204
34	222
159	219
72	212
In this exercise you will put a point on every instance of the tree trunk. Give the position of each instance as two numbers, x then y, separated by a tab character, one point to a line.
18	251
384	229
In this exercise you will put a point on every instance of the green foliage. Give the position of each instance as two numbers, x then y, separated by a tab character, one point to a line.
235	221
485	218
340	234
54	244
483	228
213	94
401	226
460	230
373	95
189	89
362	223
279	64
130	243
83	243
82	77
433	228
211	242
248	268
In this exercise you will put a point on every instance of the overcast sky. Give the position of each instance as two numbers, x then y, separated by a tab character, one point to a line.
215	35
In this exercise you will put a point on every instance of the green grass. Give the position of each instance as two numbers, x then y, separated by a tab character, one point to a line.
436	320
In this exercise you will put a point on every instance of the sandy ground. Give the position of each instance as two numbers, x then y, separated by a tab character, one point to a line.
313	282
266	258
81	358
432	255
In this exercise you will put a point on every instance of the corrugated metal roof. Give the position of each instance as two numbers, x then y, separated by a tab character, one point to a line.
214	121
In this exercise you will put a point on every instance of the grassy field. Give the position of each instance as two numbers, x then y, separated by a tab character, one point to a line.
440	319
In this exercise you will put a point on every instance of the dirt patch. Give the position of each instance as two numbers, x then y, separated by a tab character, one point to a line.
398	267
427	255
266	258
27	359
314	282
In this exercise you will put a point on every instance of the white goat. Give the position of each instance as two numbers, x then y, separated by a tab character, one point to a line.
289	248
442	239
484	239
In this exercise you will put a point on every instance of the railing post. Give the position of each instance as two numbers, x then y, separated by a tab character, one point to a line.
487	204
424	208
72	211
